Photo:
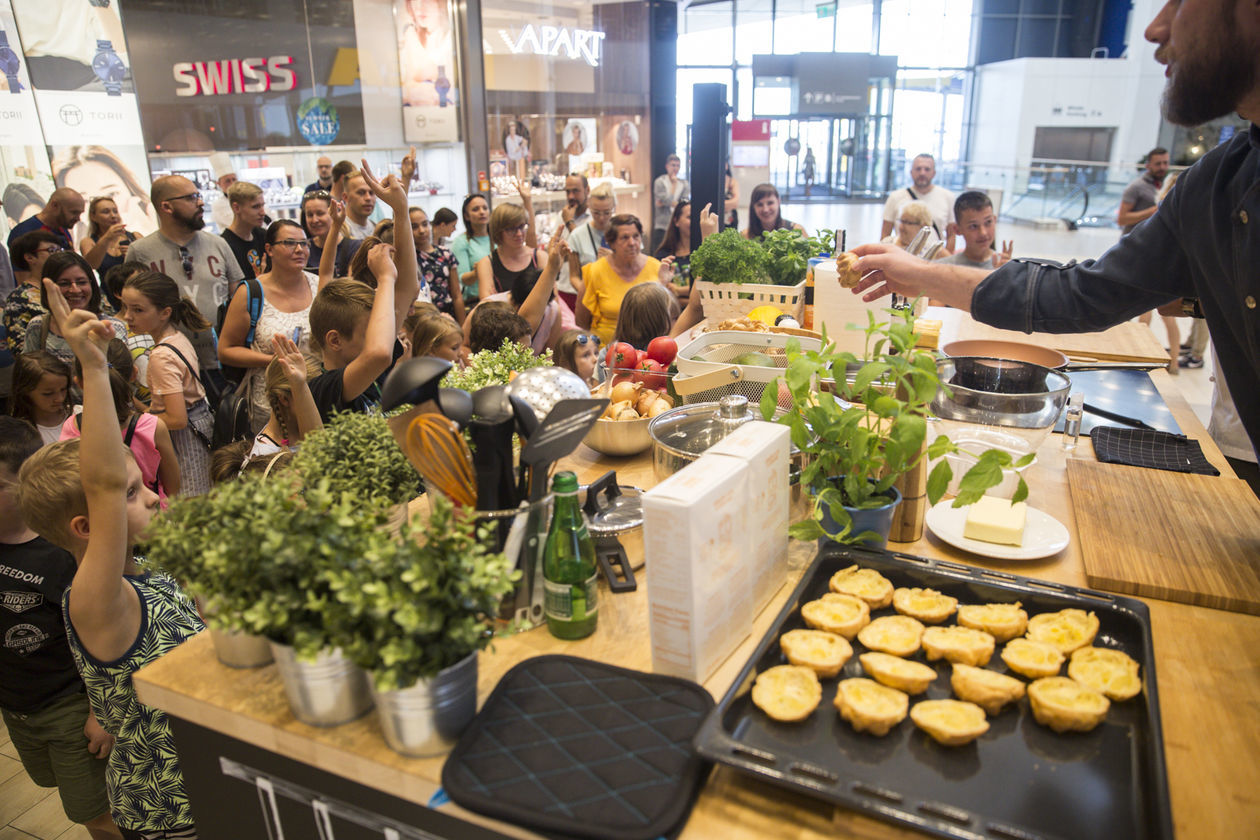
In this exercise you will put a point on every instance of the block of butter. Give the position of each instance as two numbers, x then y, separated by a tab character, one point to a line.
996	520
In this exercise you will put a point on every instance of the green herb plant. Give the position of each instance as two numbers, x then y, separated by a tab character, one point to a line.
727	257
425	606
494	367
307	566
788	252
863	437
357	453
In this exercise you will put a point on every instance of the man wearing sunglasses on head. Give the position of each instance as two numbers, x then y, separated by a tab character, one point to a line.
201	263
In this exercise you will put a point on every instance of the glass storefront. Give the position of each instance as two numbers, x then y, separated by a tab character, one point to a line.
567	91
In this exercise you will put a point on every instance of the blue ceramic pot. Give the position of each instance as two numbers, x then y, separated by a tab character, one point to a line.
879	520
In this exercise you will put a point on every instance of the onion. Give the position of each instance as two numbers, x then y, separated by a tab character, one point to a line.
624	391
616	408
658	407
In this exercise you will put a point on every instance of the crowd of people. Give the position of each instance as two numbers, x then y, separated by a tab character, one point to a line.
119	337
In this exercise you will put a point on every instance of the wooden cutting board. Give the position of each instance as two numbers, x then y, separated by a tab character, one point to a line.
1174	536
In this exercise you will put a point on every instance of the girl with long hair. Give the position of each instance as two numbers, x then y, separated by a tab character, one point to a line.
78	284
153	305
41	393
107	240
765	213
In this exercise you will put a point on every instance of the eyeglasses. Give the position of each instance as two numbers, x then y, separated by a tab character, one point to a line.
49	249
186	260
295	244
585	339
195	196
518	229
71	284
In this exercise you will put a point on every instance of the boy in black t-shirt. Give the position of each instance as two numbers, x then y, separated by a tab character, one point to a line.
42	697
352	325
246	236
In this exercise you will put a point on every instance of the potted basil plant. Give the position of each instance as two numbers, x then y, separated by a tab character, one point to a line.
873	428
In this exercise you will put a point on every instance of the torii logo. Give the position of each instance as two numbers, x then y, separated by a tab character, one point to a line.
581	44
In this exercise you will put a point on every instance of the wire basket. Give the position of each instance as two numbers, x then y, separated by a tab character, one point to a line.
707	370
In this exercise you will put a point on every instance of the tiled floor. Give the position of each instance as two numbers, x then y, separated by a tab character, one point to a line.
27	811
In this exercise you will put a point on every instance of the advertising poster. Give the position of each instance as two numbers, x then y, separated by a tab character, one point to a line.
19	121
576	139
25	183
426	62
239	76
119	172
79	70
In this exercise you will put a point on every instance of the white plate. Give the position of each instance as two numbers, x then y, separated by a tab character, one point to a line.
1043	534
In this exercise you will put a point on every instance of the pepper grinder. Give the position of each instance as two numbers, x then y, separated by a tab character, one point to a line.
907	524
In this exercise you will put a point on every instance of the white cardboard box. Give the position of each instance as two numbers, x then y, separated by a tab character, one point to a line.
765	448
695	535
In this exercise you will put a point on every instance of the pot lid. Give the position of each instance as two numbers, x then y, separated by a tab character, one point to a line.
613	509
693	429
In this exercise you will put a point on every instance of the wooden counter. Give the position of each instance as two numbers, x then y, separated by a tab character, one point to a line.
1208	668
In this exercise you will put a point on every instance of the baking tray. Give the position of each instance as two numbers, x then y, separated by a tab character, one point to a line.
1019	781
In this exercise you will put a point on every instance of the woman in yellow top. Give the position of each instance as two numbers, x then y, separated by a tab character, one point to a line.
609	278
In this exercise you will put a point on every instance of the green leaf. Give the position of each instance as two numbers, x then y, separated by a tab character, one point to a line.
1021	491
938	480
941	446
1025	460
806	529
986	473
770	399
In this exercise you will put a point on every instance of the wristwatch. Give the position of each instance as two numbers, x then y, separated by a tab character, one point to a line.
10	64
108	67
1190	308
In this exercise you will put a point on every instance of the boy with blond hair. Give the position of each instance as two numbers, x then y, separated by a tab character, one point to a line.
88	496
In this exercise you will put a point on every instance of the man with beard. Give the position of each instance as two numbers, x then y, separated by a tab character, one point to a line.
938	199
1139	200
61	213
577	189
1202	243
201	263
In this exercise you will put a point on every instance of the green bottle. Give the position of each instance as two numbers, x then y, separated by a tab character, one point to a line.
570	578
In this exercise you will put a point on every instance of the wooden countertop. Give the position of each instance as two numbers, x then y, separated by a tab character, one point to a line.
1208	667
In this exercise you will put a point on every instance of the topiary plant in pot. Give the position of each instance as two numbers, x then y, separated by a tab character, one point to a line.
357	454
861	437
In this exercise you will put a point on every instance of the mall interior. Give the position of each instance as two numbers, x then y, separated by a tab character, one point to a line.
1048	106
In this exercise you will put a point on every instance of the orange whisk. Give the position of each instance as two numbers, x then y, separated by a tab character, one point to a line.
438	452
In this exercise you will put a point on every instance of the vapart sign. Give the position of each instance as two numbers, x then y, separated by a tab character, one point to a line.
576	44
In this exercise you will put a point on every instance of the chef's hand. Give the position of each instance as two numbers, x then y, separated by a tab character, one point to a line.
886	269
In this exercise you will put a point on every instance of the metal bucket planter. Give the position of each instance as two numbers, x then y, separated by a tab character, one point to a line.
329	691
427	718
240	650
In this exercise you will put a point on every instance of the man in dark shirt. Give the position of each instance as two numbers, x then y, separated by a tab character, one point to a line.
324	167
61	213
1203	242
42	697
246	235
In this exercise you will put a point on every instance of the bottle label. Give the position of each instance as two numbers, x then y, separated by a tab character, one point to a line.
571	601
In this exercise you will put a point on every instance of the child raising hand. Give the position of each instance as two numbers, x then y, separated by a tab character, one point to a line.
89	497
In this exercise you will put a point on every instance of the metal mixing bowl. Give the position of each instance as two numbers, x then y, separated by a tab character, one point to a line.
619	437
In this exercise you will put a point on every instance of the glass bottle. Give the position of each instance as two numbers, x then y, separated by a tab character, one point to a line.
570	577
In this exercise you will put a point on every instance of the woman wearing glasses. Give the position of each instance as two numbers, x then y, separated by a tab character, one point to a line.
288	290
78	285
511	256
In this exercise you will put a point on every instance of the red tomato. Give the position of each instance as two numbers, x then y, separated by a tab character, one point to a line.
663	350
621	355
651	373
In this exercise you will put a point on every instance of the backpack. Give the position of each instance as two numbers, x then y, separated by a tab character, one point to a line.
231	417
253	304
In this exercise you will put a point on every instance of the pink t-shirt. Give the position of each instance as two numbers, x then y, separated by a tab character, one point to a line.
142	446
169	375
